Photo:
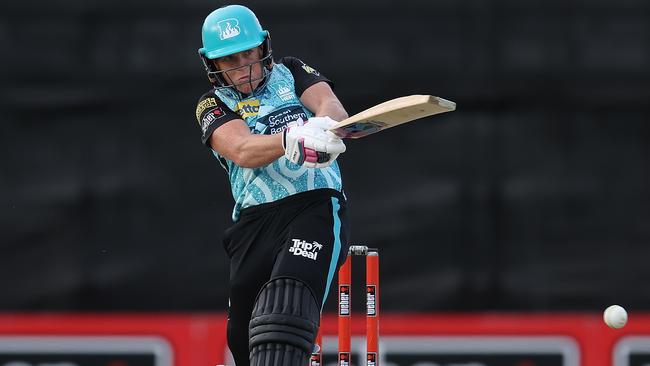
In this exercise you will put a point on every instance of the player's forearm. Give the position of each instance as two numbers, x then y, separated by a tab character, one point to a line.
256	151
333	109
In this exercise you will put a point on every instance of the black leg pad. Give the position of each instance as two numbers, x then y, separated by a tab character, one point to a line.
284	324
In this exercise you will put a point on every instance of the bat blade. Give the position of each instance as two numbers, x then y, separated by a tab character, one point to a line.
390	114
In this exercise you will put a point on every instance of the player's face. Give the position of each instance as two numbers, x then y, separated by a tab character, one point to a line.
246	67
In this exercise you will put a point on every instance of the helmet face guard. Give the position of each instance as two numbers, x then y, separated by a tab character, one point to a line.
219	79
229	30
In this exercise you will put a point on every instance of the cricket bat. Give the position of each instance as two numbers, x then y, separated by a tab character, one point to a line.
390	114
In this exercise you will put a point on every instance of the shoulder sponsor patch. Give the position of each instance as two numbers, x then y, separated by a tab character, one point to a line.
205	103
248	108
210	116
310	70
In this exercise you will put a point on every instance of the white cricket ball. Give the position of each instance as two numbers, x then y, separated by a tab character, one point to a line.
615	317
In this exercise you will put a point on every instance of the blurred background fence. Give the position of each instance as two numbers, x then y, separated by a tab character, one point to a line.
534	195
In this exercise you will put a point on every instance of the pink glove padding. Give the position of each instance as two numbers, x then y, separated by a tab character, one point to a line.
312	145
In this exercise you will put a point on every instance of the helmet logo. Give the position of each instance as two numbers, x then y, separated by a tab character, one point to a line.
228	28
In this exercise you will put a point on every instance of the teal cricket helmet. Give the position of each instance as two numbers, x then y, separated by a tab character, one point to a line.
228	30
231	29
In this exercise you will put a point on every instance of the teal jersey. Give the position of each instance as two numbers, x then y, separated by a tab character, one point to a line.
268	111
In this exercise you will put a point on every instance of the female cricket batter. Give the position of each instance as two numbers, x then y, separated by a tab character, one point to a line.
290	231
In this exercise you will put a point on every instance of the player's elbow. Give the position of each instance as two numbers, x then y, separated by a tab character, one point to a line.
237	151
240	156
245	157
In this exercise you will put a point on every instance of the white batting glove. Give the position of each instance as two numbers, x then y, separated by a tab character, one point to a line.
312	145
326	123
322	122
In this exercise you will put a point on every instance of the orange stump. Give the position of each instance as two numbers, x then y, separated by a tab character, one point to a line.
345	279
372	308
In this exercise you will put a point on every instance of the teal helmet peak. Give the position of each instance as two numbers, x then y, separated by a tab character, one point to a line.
231	29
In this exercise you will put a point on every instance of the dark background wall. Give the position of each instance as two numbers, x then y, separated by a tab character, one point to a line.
533	195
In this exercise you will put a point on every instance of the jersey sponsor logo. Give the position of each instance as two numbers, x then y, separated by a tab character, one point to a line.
206	103
276	121
249	108
210	116
302	248
309	69
228	28
283	91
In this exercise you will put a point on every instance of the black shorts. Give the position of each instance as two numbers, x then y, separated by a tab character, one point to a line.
304	236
